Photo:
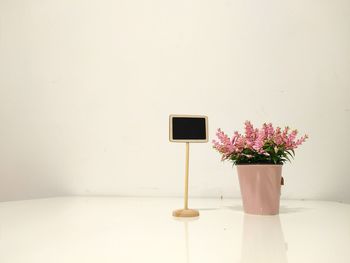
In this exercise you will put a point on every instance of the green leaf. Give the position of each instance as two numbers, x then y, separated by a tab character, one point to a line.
290	154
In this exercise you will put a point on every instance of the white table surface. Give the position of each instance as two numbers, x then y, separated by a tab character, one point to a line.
110	229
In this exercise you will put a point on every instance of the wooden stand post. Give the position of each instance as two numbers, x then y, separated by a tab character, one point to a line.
186	212
186	174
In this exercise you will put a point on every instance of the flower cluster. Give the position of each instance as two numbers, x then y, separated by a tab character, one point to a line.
267	145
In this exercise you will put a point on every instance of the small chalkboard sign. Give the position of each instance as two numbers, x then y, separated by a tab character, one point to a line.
188	128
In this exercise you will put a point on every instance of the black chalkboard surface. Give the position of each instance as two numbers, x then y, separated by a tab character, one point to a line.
188	128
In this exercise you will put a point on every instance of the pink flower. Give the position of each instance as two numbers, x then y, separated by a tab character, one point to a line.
301	140
290	144
259	142
250	134
224	145
254	141
270	130
277	137
240	143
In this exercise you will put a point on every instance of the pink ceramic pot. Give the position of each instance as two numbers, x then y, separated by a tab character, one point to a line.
260	188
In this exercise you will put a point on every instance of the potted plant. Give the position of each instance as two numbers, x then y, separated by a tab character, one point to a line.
259	155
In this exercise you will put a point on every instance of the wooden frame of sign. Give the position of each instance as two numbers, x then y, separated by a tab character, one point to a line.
186	129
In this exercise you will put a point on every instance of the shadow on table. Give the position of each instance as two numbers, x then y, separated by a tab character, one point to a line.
288	210
208	209
283	209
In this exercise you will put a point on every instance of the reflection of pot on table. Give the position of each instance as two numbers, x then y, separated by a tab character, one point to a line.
263	240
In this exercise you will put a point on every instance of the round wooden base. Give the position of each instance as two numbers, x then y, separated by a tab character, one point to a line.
185	213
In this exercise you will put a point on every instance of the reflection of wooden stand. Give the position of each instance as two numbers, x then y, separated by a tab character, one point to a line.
186	212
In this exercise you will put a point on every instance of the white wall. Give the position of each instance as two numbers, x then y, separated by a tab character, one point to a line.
86	88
